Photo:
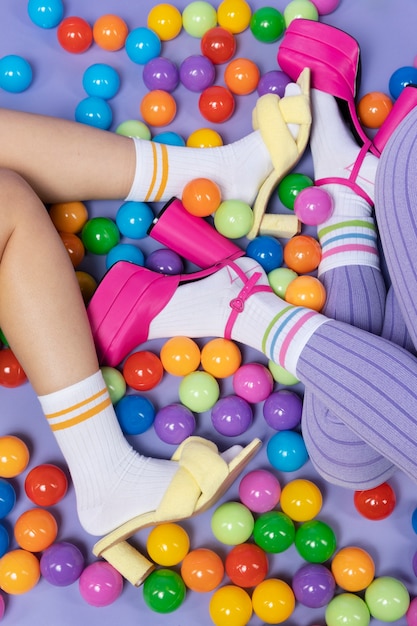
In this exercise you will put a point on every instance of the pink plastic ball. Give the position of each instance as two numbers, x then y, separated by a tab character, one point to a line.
411	615
259	491
253	382
313	206
100	584
326	6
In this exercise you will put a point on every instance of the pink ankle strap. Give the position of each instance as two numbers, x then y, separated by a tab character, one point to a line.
351	181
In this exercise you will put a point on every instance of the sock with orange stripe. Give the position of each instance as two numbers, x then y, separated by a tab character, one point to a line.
112	482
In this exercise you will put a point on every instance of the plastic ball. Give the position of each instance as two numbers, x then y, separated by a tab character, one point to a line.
290	186
68	217
101	80
274	532
197	73
313	585
46	13
216	104
14	455
12	374
134	128
280	278
353	568
199	391
110	32
46	484
302	254
232	523
347	608
35	530
201	197
100	584
158	108
125	252
99	235
301	500
218	44
315	541
167	544
164	591
234	15
94	111
75	35
221	357
7	498
376	503
387	599
313	206
169	138
198	17
174	423
204	138
307	291
253	382
62	564
160	73
115	383
165	20
74	246
300	9
4	541
259	490
231	416
202	570
15	73
267	24
267	251
180	356
411	614
274	81
230	606
403	76
233	219
373	109
164	261
135	414
273	601
287	451
282	410
19	572
133	219
246	565
143	370
142	44
326	6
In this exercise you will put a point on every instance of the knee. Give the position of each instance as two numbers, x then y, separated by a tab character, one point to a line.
17	200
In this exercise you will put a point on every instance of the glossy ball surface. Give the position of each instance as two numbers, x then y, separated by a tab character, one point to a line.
280	278
313	206
198	17
267	24
246	565
302	254
353	568
165	20
301	499
143	370
232	523
274	531
273	601
204	138
164	591
164	261
167	544
400	78
180	356
14	456
134	218
287	451
35	530
300	9
75	34
125	252
231	416
19	572
46	13
282	410
290	186
94	111
160	73
216	104
221	357
373	109
99	235
135	414
100	584
267	251
218	44
197	72
201	197
259	490
253	382
46	484
199	391
234	15
7	497
68	217
101	80
16	73
142	45
315	541
313	585
306	291
158	108
376	503
202	570
273	81
233	219
230	605
387	598
110	32
174	423
62	564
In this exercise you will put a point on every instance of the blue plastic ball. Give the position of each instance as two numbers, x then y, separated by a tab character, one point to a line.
414	520
135	414
402	77
142	45
94	111
46	13
125	252
169	138
101	80
286	451
15	73
7	497
4	540
134	218
267	251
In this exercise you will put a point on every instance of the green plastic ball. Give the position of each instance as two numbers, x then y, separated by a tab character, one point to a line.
387	598
233	219
348	609
134	128
115	382
198	17
232	523
267	24
300	9
281	375
99	235
290	186
315	541
199	391
280	278
274	532
164	591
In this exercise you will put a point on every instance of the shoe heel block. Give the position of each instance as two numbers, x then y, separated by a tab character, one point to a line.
126	559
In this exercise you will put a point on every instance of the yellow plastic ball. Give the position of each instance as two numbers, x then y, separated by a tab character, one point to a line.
301	500
19	572
230	606
168	544
221	357
14	456
204	138
273	601
235	15
165	20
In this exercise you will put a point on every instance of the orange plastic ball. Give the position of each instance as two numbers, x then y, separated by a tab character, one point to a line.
353	568
143	370
74	246
180	356
19	572
88	285
373	109
201	197
35	530
14	456
273	601
202	570
68	217
204	138
158	108
302	254
306	291
165	20
110	32
221	357
242	76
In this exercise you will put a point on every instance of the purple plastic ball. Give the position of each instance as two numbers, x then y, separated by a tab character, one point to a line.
100	584
253	382
62	564
313	206
160	73
313	585
165	261
274	81
282	410
174	423
197	73
259	490
231	416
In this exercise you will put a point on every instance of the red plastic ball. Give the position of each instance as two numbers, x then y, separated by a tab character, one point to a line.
376	503
218	44
11	372
46	485
75	35
246	565
74	246
143	370
216	104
